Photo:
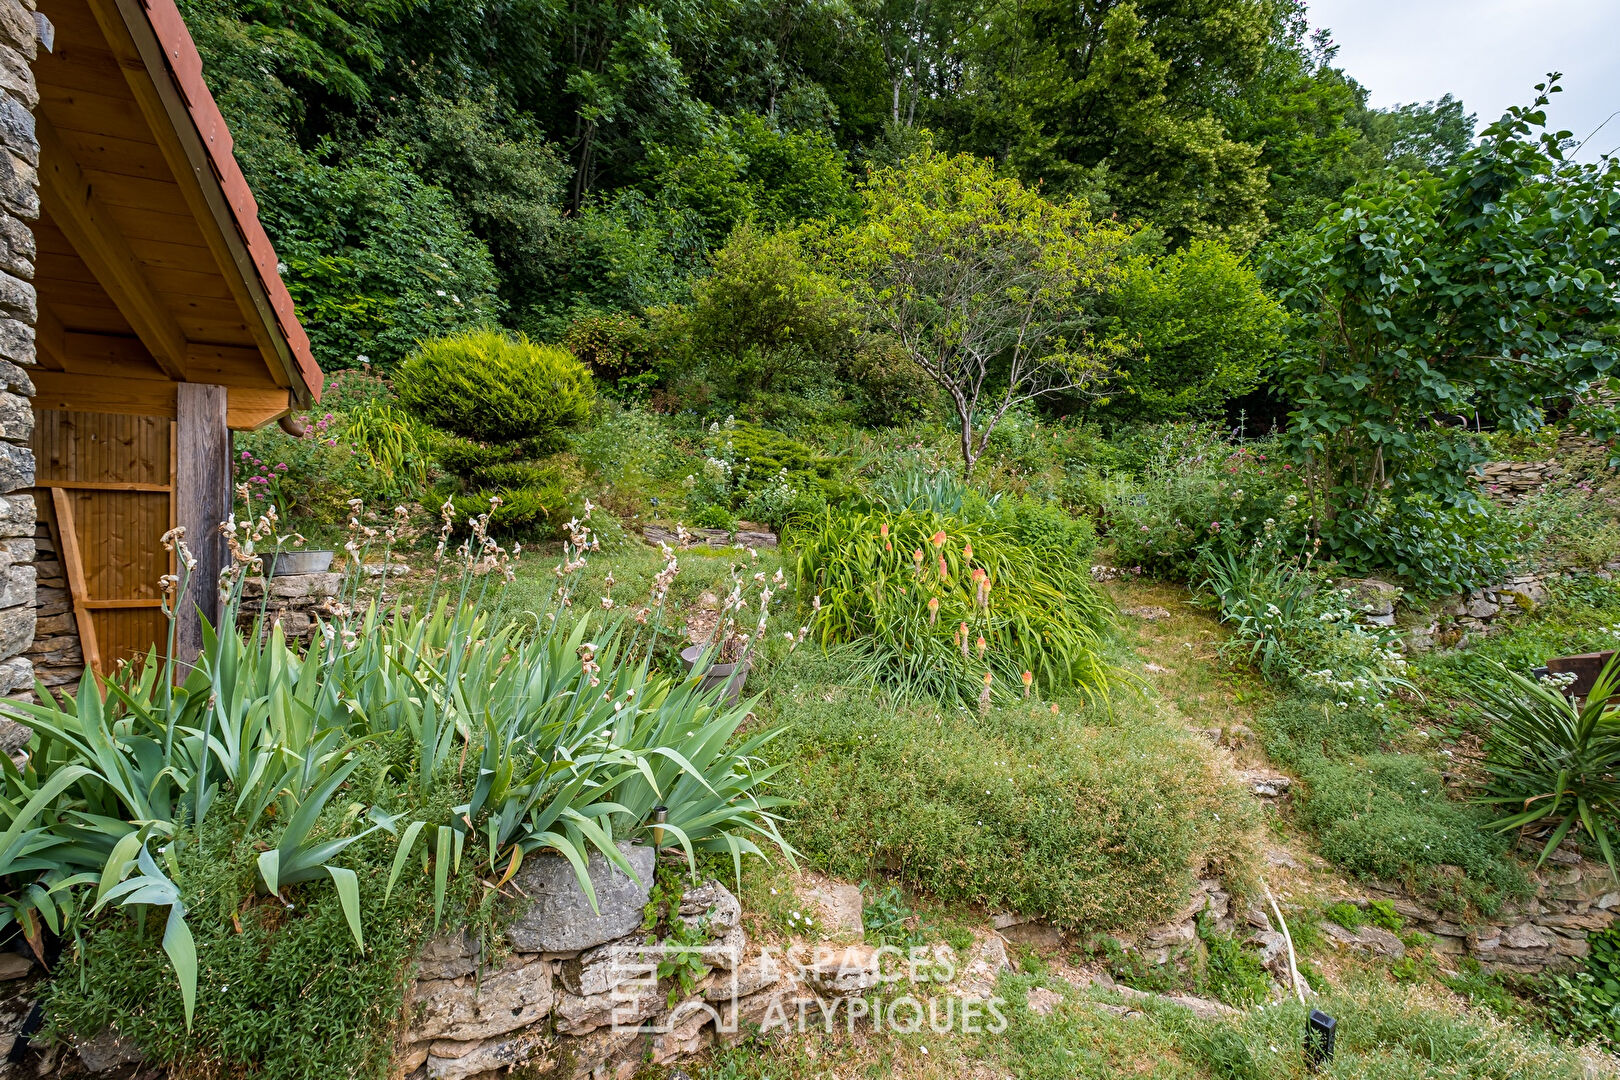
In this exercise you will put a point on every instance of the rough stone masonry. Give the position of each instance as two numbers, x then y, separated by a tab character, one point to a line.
19	205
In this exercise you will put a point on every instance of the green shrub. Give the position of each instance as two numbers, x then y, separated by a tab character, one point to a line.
1288	621
616	347
1441	549
909	596
762	475
1048	531
375	258
1198	493
1087	822
1203	326
493	387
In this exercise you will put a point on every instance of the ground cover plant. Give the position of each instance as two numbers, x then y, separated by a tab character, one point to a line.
1086	819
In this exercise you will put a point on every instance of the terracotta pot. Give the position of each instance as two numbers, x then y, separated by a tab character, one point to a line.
731	676
291	563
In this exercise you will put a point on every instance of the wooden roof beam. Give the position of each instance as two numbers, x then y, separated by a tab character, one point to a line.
72	203
133	41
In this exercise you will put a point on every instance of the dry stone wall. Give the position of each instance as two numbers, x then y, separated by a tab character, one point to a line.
19	206
1573	897
577	995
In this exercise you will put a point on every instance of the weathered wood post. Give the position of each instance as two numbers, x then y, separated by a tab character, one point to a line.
202	501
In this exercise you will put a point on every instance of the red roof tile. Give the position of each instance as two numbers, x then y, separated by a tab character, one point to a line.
186	67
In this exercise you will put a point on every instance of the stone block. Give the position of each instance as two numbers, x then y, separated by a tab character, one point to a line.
752	977
560	920
16	247
16	417
19	188
839	908
488	1056
17	342
17	79
19	586
843	972
17	132
306	586
711	907
16	629
627	1004
1374	940
17	31
16	471
469	1008
448	957
109	1049
598	971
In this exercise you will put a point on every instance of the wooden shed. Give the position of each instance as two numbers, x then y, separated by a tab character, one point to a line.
161	323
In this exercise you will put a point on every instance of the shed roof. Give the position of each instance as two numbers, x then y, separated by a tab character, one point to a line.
153	266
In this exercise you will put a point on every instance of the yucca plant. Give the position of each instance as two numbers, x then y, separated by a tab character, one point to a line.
1553	764
910	595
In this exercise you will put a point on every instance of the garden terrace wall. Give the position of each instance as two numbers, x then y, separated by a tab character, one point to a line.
1573	897
19	207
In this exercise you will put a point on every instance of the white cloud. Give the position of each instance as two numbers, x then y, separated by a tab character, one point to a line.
1489	53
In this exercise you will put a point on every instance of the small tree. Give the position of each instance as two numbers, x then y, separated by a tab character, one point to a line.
986	285
1424	302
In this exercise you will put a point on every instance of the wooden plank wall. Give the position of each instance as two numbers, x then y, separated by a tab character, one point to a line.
114	471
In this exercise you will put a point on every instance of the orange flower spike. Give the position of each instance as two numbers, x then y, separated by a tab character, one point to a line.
939	539
883	530
933	610
944	571
1028	678
963	640
967	552
981	644
986	674
917	557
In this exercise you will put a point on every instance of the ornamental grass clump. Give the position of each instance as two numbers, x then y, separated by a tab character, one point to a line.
957	609
444	745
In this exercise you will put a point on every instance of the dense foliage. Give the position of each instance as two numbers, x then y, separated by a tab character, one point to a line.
571	161
268	773
1436	301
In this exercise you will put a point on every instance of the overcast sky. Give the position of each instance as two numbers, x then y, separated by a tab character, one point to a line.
1489	53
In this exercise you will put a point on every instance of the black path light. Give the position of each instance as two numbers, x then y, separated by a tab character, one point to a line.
1319	1031
1320	1028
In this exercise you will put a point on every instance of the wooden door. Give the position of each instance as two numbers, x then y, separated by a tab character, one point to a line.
106	488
